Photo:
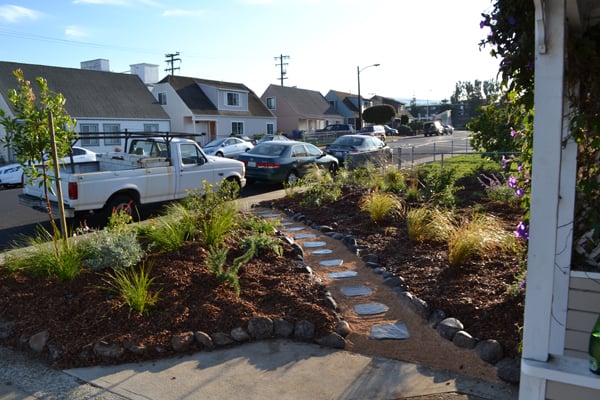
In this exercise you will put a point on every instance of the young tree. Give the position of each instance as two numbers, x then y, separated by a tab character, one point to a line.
32	135
379	114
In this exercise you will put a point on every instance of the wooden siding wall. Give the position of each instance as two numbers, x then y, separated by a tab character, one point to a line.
583	309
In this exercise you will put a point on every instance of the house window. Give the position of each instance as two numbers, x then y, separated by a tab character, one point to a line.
270	129
89	129
162	98
271	103
233	99
150	127
237	128
112	130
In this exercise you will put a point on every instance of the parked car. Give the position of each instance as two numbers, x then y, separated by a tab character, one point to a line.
11	175
284	161
405	130
356	150
275	138
448	129
337	127
390	131
373	130
80	154
229	147
431	128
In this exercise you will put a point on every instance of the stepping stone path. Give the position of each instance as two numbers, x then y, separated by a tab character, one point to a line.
396	330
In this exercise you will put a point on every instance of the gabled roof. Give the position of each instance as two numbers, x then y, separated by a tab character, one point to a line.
346	99
306	103
387	100
89	94
198	102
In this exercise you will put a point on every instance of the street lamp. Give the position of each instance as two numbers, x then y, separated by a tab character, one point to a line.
358	71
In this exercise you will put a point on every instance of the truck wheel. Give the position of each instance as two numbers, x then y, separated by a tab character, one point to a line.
122	202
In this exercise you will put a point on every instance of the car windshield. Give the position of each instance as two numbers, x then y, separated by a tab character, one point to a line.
214	143
348	141
268	149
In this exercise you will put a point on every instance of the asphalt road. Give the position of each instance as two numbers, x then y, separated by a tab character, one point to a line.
18	223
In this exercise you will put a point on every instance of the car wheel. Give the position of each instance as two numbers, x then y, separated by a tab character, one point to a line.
219	154
333	167
292	178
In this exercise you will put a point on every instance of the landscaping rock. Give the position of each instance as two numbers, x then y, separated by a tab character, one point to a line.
204	339
282	328
183	341
38	341
464	340
448	327
304	331
332	340
108	350
489	350
343	328
260	327
240	335
222	339
509	370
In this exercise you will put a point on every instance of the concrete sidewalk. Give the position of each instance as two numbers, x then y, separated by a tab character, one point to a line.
273	369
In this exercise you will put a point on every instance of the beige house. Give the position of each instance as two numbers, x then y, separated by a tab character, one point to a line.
299	109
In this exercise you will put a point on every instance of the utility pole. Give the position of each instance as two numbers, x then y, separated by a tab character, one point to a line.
282	66
171	61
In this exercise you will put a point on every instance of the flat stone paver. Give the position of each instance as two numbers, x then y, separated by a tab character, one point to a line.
370	308
305	236
352	291
322	251
314	244
389	331
343	274
331	263
294	229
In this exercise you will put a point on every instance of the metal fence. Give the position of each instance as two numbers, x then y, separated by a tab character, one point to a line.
408	156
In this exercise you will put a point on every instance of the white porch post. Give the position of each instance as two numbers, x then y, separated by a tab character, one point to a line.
546	172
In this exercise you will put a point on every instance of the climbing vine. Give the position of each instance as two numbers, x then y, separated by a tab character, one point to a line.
511	38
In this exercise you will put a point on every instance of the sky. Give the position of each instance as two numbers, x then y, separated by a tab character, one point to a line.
423	47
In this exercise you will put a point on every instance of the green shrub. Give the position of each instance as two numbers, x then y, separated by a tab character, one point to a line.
381	205
111	249
320	187
429	223
133	287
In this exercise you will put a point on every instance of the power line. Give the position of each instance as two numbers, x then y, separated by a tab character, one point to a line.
282	66
171	61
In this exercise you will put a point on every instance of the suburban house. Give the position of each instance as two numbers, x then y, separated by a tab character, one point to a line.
299	109
346	104
100	101
213	109
561	303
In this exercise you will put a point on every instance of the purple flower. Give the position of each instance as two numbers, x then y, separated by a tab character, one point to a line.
512	181
519	168
519	192
504	162
522	231
513	133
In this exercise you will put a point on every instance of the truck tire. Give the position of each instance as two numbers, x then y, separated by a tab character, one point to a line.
122	202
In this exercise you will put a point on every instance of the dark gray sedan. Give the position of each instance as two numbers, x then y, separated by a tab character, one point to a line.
357	150
284	161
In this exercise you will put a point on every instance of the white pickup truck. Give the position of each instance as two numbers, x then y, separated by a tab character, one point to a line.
153	170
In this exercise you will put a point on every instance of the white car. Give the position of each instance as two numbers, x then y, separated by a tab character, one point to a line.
230	147
11	175
80	154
